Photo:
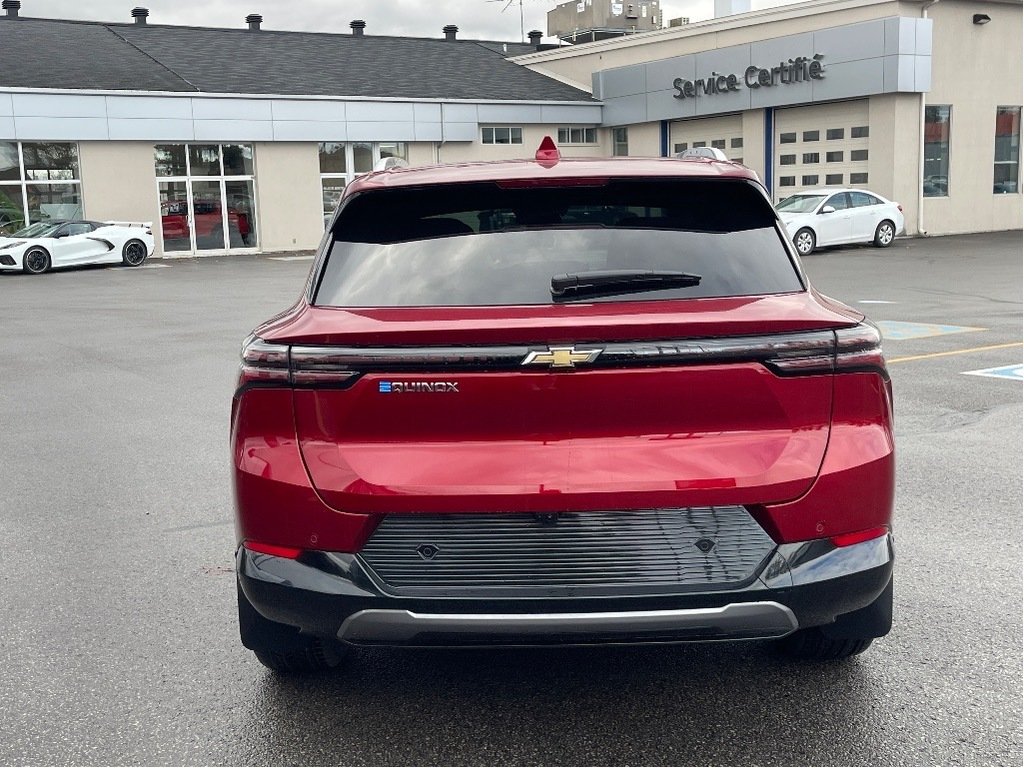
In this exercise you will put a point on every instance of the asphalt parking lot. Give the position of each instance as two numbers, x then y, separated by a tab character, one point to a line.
118	631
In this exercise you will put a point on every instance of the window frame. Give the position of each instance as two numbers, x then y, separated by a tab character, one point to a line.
22	183
582	131
944	160
494	128
996	162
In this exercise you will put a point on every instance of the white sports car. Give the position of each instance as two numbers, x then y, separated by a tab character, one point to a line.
51	244
821	217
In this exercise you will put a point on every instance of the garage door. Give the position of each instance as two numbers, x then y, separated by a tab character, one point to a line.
724	133
823	145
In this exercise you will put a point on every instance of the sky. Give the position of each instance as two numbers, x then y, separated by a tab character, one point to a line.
480	19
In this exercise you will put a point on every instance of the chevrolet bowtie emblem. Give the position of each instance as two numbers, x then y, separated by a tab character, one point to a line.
562	357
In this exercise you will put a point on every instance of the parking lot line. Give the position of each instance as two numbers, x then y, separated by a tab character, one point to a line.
954	352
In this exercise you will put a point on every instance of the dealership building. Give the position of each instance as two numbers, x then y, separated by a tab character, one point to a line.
240	140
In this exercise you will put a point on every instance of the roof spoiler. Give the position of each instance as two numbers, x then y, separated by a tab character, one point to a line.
146	224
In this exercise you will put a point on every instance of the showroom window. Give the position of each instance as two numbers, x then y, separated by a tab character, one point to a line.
574	134
936	150
38	181
620	142
1006	173
501	134
207	196
341	162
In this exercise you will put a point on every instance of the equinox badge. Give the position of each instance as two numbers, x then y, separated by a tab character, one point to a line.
562	357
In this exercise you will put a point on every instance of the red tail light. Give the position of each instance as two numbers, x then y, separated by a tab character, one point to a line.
860	349
272	549
849	539
263	362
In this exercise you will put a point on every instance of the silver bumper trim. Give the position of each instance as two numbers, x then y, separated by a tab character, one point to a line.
756	620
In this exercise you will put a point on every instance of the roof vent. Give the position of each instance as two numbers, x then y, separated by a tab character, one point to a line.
357	25
140	15
450	30
535	35
12	7
254	20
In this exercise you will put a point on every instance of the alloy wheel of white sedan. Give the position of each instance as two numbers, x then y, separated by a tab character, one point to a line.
804	241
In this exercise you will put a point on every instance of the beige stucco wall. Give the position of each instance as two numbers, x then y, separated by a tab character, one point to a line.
288	195
119	182
975	68
895	121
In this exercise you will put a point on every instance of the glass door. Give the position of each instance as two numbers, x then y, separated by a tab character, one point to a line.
209	204
175	216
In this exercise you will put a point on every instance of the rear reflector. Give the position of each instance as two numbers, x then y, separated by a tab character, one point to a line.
272	549
849	539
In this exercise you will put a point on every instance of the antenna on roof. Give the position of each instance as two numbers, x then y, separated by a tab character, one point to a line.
509	4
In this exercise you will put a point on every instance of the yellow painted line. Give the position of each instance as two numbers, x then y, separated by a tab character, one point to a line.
955	352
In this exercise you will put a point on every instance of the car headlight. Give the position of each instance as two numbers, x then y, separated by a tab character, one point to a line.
9	246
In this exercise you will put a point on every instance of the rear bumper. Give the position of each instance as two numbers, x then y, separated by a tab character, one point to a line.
336	595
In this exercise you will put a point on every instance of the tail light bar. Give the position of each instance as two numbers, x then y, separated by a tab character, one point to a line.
847	350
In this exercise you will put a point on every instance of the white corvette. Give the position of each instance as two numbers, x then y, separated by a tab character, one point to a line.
52	244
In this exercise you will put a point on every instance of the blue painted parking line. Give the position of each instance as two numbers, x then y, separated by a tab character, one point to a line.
896	330
1012	372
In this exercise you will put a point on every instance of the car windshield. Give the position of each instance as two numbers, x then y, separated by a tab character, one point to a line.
799	203
39	229
489	245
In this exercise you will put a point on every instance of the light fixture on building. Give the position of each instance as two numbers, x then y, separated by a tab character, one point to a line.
982	18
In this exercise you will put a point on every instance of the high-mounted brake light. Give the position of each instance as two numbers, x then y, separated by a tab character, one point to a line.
272	549
547	153
857	537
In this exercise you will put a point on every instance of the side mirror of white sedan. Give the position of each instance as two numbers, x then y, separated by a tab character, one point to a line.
827	209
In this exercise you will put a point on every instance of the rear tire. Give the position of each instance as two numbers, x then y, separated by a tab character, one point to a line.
134	253
805	241
281	647
812	644
885	233
35	261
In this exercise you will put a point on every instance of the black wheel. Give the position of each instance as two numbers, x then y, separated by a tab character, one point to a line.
885	233
36	261
804	241
814	645
281	647
134	253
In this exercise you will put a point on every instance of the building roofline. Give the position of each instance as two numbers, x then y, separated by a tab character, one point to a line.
262	31
288	97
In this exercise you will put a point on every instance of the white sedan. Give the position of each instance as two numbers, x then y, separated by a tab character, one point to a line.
823	217
51	244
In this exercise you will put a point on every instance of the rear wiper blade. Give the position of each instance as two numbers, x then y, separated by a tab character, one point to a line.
612	281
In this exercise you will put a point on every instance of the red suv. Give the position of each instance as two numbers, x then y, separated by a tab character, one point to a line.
561	402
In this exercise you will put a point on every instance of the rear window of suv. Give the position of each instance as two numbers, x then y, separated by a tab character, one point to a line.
499	244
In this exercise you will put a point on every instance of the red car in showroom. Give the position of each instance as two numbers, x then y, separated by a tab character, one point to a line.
561	402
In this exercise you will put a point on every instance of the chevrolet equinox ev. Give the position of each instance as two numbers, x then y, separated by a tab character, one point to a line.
561	402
